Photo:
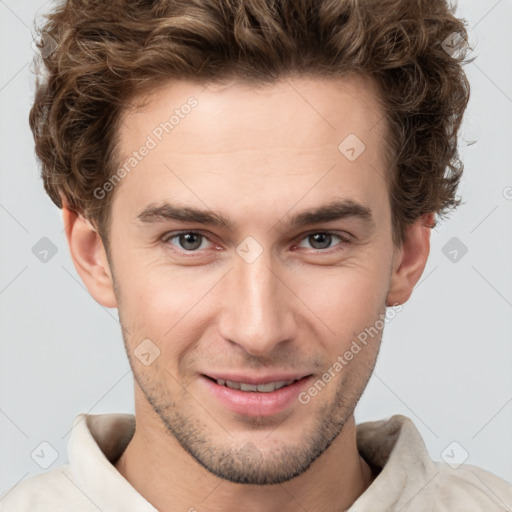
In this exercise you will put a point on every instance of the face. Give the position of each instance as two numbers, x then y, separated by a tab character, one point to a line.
253	290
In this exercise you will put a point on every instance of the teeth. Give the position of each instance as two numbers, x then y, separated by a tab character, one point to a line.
248	387
267	388
232	385
261	388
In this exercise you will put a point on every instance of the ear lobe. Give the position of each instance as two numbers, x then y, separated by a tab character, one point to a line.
410	260
89	257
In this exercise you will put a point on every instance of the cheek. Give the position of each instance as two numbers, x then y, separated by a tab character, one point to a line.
164	305
347	293
345	302
174	305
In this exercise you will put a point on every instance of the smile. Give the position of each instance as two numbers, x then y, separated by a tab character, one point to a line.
262	396
260	388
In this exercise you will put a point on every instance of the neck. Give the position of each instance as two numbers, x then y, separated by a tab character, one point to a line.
171	480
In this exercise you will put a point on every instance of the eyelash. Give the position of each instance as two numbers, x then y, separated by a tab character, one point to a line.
343	240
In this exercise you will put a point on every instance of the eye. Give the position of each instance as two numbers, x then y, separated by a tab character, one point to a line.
321	240
189	241
192	241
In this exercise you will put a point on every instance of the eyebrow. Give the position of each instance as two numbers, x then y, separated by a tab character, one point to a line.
335	210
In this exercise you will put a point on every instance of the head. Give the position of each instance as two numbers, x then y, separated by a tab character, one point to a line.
189	151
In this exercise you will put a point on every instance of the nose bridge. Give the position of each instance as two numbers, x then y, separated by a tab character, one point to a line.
256	314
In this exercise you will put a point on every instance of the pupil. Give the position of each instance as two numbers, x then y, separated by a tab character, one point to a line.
321	235
186	236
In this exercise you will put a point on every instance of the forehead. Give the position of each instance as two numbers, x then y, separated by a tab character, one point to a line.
292	112
260	143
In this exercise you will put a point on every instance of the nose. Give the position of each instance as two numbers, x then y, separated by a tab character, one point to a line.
257	312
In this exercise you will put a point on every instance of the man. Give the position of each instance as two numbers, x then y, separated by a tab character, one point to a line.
251	184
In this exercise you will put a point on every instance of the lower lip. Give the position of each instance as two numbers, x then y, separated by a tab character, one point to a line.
253	403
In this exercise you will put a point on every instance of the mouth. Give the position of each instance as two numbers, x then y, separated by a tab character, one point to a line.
255	396
258	388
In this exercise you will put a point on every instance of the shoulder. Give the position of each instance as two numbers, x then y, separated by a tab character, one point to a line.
408	480
54	491
468	488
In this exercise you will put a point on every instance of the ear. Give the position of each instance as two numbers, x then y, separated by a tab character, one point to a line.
89	257
410	259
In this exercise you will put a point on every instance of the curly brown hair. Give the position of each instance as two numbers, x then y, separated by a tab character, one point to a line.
108	53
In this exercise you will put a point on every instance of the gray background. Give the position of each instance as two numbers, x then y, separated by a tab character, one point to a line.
446	358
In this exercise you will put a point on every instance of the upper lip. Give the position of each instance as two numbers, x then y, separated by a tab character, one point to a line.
256	379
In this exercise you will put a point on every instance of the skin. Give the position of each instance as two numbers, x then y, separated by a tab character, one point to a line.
295	308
